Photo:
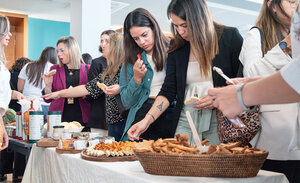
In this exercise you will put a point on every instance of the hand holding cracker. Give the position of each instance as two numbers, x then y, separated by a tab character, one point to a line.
101	86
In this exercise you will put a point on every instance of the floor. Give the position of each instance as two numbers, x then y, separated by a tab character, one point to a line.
9	179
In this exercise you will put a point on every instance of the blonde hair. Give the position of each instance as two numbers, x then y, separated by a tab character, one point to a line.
270	25
202	34
73	50
115	56
4	30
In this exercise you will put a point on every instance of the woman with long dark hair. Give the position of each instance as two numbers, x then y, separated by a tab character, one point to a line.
30	81
141	78
199	44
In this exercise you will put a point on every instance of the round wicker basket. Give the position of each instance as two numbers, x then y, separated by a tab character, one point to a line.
232	166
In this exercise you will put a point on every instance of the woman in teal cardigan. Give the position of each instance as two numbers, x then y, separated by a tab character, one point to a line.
141	78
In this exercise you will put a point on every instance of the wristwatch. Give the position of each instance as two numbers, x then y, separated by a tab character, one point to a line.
240	99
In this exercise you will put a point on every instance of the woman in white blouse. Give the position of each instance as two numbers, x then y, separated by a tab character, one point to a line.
5	91
30	81
262	54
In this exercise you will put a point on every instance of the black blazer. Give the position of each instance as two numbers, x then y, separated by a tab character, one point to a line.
229	42
97	115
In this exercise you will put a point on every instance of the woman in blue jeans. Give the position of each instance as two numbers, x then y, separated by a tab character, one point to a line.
110	77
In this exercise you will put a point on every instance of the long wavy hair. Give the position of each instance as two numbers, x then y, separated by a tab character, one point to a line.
201	31
107	32
115	56
4	30
142	18
73	49
270	25
36	68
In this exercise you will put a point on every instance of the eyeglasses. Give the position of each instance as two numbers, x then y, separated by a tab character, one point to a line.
293	3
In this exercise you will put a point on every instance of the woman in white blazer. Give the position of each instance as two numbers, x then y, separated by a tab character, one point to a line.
265	50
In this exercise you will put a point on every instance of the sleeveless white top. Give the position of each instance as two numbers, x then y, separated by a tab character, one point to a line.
196	84
157	80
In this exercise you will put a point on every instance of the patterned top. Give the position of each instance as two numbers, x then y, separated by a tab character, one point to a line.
112	110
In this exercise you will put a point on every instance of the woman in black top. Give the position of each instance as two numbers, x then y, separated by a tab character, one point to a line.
97	121
197	40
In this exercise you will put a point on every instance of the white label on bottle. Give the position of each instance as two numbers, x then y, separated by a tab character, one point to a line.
35	126
53	120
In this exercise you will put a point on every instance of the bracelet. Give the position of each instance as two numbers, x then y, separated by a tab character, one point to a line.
240	99
151	116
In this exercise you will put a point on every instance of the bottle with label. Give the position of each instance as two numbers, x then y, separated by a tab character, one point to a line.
36	121
57	132
53	119
19	126
26	121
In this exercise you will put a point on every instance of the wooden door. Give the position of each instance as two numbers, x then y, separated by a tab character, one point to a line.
10	50
17	46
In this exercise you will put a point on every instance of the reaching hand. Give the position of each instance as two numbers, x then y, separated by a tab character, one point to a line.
4	139
17	95
112	90
48	82
205	102
54	95
137	129
226	100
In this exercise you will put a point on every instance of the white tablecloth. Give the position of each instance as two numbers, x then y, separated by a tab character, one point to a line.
45	165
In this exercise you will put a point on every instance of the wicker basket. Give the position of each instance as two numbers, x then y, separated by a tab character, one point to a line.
233	166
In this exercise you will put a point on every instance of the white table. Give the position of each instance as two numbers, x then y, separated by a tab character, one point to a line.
45	165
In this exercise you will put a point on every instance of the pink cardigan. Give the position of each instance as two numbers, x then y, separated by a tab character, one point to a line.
59	83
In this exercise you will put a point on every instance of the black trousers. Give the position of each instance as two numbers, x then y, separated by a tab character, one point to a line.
6	162
291	168
161	127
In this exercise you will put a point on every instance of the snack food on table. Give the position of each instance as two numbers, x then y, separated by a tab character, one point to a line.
101	85
180	145
51	73
231	148
71	125
111	149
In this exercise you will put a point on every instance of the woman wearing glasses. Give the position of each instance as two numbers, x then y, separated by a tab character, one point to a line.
70	72
265	50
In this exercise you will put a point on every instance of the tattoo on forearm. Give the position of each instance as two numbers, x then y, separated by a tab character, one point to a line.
160	106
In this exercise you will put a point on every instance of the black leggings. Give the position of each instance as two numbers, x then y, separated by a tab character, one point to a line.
161	127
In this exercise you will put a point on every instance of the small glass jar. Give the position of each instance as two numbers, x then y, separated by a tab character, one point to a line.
58	130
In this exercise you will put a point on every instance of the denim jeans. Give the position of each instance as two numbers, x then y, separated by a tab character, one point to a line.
116	130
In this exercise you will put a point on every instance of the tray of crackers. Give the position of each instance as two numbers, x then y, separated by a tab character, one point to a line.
110	152
175	157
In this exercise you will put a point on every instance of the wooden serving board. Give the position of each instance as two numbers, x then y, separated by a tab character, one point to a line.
67	151
47	142
104	158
